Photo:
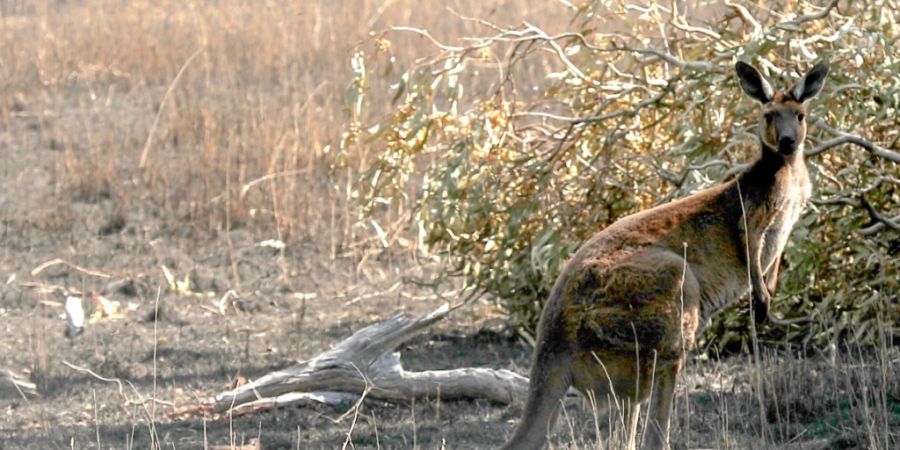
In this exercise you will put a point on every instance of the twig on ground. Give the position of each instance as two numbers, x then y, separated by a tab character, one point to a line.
355	408
53	262
141	400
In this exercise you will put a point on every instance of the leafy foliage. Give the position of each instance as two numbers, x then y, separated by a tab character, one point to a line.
513	148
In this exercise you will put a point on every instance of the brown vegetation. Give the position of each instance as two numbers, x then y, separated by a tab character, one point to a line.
139	135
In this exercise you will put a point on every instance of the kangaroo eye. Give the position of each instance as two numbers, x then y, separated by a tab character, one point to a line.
801	116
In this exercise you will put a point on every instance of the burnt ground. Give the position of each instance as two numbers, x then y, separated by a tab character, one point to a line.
198	350
191	350
289	308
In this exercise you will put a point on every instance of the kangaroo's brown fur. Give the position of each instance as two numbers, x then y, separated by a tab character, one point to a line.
627	306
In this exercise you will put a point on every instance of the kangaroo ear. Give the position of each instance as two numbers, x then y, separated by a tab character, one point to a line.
753	83
807	87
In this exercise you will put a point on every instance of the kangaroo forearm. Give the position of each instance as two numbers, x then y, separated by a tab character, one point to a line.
759	296
772	275
757	279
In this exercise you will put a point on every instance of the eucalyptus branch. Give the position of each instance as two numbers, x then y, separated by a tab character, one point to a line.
878	226
702	66
576	123
816	16
683	26
678	179
585	127
880	221
878	182
477	20
746	16
560	54
847	138
628	112
876	216
426	34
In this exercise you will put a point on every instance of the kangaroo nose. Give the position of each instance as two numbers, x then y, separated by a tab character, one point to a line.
787	143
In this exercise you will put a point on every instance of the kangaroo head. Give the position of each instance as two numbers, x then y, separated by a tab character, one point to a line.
782	124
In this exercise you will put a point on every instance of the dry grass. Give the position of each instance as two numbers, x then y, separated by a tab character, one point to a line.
265	96
239	145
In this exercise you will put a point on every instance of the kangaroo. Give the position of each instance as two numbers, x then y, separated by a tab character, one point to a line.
627	306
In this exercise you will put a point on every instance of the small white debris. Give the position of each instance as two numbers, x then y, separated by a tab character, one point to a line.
74	317
272	243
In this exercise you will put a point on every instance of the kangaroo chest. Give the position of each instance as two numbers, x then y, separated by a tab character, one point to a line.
788	205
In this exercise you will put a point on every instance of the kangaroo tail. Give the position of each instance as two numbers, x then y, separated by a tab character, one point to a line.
549	381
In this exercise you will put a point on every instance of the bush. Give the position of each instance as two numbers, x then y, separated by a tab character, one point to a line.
513	148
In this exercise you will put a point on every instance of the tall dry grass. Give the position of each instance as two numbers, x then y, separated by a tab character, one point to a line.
241	134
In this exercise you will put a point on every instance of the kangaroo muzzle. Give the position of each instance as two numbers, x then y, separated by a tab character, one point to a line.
787	135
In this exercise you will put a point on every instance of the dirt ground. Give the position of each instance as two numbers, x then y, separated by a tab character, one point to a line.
192	349
198	350
82	84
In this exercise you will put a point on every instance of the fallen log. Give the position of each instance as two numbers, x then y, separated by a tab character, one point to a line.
365	365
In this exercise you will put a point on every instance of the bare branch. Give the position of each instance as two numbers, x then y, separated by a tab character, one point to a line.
702	66
559	52
678	179
746	16
628	112
876	227
425	33
816	16
847	138
683	26
880	221
878	182
877	216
